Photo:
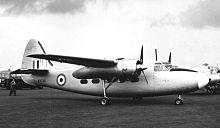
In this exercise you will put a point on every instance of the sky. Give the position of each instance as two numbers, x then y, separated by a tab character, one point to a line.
112	29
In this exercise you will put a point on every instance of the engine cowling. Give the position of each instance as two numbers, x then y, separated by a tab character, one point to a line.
127	69
124	70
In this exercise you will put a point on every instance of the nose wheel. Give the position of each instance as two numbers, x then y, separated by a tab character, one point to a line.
179	100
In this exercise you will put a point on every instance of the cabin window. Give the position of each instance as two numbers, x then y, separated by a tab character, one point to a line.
38	64
95	81
33	65
83	81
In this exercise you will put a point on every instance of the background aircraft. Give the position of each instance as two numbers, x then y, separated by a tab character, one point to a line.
213	72
107	78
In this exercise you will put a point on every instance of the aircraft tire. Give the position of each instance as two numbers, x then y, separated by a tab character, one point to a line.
178	101
105	101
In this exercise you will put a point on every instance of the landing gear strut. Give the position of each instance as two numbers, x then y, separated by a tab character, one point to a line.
179	100
105	100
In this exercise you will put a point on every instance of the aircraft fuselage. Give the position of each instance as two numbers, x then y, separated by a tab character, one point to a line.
158	83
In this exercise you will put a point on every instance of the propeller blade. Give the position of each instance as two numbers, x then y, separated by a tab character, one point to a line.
169	58
141	56
156	54
140	67
144	76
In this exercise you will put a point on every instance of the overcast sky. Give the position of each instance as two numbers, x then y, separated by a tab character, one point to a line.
112	28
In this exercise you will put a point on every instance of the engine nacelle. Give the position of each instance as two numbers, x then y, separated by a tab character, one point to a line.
127	68
124	70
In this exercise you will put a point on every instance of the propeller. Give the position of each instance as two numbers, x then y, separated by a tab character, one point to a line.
141	57
156	54
169	58
140	67
144	75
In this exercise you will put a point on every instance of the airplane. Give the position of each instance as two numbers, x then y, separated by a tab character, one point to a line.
106	78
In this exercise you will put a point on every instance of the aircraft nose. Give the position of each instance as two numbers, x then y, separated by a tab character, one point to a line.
202	81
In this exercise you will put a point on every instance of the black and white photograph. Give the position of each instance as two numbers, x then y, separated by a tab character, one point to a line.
109	63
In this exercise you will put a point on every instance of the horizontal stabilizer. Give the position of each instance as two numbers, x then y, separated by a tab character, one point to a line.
30	71
96	63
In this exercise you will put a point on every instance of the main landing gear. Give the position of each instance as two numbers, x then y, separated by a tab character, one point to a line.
179	100
105	100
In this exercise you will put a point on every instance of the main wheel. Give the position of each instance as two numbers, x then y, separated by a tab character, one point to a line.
178	101
105	101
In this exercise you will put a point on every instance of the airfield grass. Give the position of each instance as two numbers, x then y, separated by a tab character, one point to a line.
49	108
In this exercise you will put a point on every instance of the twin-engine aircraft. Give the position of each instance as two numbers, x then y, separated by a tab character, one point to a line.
107	78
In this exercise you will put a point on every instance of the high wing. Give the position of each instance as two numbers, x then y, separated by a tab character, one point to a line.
96	63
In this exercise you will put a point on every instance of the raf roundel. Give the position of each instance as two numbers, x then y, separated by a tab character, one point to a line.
61	79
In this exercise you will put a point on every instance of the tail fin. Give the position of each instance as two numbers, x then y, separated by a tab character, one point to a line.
34	47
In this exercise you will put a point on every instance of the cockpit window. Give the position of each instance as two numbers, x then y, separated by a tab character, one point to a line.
165	63
164	66
157	63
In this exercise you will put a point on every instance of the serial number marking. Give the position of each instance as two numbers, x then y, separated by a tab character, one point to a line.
41	81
